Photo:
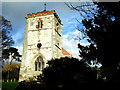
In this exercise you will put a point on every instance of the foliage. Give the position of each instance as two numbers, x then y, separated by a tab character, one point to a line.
101	23
6	25
30	86
7	52
101	31
88	53
111	74
9	55
14	71
67	73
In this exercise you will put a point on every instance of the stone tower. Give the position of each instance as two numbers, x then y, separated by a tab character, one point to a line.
43	41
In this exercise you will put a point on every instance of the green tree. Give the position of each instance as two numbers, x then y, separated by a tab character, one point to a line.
14	71
7	52
87	11
102	32
101	29
9	55
67	73
88	53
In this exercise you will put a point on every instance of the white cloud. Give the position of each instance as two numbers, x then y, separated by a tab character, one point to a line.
70	44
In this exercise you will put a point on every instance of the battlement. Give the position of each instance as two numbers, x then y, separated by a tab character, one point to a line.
43	13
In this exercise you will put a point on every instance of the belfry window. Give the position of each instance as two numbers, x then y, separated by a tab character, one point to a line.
39	64
40	24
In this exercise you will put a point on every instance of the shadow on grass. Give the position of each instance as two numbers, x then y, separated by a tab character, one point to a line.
68	86
9	85
30	86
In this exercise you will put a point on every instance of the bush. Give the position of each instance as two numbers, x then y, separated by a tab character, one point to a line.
14	71
67	73
30	86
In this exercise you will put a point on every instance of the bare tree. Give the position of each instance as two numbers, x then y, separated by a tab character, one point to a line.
5	31
85	9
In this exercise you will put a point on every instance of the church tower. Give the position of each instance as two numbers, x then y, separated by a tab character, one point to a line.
43	41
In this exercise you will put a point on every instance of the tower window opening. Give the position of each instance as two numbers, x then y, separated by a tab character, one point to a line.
40	24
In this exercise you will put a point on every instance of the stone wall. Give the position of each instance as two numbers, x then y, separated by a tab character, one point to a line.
50	36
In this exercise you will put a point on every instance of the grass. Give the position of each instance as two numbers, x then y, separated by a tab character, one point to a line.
9	85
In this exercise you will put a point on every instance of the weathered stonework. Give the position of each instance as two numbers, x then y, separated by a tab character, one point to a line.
41	28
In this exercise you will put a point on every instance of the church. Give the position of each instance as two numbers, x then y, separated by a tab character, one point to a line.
42	42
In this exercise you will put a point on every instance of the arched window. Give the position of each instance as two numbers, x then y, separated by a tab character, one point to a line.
35	66
42	65
39	64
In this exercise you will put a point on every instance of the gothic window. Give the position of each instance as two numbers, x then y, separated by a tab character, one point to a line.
39	64
40	24
42	65
35	66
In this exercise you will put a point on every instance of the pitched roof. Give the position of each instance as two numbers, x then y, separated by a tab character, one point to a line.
64	52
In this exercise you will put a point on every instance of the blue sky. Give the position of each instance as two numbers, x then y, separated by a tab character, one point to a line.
17	11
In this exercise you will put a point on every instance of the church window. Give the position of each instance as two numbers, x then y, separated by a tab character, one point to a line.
42	65
39	64
35	66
